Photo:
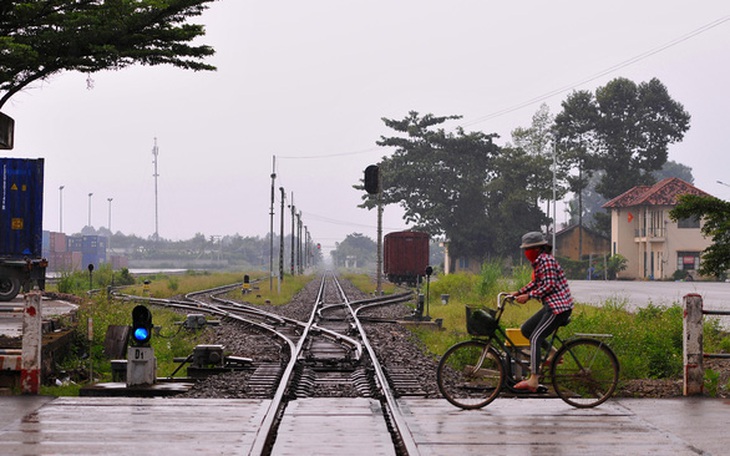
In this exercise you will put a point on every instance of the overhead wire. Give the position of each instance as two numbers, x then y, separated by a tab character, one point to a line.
611	69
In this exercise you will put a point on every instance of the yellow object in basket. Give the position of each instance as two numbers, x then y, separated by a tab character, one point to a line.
515	335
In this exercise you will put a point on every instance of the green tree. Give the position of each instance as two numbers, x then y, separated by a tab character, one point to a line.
636	123
674	169
575	131
460	185
40	38
439	179
512	194
537	141
361	249
715	214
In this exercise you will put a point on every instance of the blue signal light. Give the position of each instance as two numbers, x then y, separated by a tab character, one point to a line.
141	331
141	334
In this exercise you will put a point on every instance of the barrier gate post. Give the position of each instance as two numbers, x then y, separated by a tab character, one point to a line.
30	365
694	372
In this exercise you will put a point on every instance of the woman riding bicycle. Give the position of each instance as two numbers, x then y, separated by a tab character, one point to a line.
549	286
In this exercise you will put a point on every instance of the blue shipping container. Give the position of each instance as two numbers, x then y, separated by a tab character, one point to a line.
94	244
21	208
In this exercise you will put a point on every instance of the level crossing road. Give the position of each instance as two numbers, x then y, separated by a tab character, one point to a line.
635	294
142	426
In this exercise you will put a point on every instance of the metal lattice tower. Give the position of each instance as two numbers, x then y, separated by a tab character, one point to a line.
155	152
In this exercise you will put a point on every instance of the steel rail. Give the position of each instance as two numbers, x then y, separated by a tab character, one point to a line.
328	333
265	432
399	421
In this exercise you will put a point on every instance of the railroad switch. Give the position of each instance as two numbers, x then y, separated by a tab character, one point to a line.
207	356
418	312
209	359
197	321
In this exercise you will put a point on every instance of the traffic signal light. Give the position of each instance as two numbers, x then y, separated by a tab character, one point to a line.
372	179
141	326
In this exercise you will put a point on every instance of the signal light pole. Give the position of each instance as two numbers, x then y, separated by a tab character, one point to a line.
373	187
141	361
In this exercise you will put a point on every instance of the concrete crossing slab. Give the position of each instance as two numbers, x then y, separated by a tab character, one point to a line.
145	426
551	427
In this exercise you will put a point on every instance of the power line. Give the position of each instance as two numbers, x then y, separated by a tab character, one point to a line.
602	73
322	218
343	154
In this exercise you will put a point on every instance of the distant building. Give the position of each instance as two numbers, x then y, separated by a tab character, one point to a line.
75	253
453	265
654	245
574	241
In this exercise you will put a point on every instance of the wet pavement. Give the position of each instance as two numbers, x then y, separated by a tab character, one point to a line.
684	426
636	293
681	426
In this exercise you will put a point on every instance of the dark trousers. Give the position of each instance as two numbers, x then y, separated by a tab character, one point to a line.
537	328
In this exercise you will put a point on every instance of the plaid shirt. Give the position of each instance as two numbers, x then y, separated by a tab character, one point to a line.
549	284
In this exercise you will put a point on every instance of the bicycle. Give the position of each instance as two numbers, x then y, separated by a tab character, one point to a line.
584	370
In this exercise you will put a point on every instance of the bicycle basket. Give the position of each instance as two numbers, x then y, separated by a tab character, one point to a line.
481	322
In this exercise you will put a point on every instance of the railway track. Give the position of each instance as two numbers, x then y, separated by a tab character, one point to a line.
326	354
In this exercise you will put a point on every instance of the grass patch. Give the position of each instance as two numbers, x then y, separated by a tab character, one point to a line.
366	284
276	293
169	341
648	342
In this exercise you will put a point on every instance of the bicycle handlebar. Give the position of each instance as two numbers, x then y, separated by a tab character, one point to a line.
503	298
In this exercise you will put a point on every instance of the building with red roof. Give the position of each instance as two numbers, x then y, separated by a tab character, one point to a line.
654	245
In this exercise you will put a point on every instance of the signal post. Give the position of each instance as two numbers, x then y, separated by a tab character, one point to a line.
373	187
141	361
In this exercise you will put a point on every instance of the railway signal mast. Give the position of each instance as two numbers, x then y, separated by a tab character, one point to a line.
373	187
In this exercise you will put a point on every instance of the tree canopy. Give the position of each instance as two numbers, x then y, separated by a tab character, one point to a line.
716	216
482	197
356	250
40	38
623	130
461	185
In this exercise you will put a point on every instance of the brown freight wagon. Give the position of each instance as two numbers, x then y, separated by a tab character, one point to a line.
405	256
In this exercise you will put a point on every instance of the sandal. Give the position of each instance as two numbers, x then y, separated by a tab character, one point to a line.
549	362
524	386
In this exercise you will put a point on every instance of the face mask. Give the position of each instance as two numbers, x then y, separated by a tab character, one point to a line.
532	254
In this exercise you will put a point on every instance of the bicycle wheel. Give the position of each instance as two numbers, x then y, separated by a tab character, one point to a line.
470	374
584	372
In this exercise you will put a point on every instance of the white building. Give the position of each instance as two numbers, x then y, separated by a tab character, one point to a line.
654	245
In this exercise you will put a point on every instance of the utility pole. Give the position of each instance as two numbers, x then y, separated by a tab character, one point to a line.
293	234
379	272
555	183
90	195
155	152
299	242
281	238
271	227
110	214
60	208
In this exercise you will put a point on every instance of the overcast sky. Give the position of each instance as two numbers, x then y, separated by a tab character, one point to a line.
308	82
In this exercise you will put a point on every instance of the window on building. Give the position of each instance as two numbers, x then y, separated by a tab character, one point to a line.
689	222
688	261
463	263
656	223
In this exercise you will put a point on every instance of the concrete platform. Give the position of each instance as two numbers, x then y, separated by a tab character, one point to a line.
94	426
335	426
684	426
133	426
